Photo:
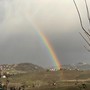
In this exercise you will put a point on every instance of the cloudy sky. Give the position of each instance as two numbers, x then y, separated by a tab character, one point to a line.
57	19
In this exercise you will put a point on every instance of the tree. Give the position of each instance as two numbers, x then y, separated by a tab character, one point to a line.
86	32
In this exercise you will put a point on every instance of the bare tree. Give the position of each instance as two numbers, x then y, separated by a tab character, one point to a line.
86	31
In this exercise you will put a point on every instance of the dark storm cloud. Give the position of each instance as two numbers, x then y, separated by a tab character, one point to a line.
69	47
24	48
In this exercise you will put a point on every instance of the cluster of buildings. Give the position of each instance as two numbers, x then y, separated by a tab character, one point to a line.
5	70
7	67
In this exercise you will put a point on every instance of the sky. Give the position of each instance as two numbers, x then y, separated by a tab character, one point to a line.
57	19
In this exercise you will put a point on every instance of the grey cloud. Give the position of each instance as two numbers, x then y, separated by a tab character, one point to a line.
58	20
24	48
2	12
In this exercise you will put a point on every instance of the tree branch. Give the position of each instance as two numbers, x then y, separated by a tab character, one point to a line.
87	49
84	39
88	15
80	19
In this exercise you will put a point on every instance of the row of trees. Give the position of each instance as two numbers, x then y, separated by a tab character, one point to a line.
86	37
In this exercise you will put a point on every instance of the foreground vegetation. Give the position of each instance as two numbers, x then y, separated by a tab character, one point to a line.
58	80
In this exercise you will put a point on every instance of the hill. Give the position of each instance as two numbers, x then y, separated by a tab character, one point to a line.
20	68
78	66
28	67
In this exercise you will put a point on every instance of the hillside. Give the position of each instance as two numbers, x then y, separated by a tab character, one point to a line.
78	66
28	67
20	68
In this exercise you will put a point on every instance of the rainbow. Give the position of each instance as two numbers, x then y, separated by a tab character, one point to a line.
47	44
44	39
56	62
